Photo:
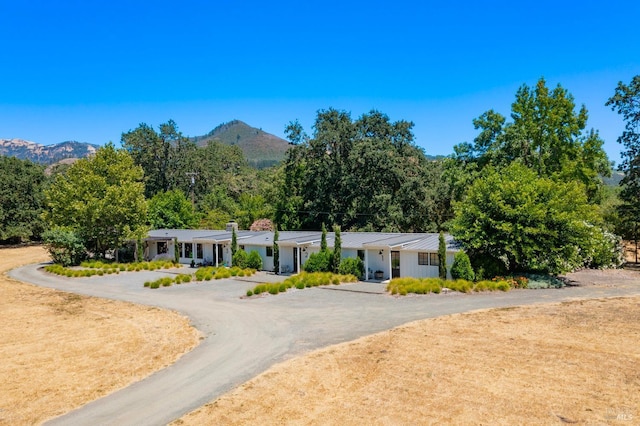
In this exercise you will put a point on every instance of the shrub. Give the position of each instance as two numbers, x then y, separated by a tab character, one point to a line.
318	262
64	246
461	268
249	293
352	266
240	259
154	284
254	261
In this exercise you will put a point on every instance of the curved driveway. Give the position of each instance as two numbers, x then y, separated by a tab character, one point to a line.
244	337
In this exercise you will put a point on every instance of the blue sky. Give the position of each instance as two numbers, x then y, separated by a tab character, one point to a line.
87	71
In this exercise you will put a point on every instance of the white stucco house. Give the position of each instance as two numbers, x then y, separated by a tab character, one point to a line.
385	255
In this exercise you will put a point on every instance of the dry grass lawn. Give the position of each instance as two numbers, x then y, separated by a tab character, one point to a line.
60	350
576	362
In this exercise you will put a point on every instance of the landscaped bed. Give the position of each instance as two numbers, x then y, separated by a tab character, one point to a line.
404	286
89	269
301	281
203	274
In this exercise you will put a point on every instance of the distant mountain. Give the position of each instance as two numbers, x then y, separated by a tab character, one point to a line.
45	154
260	148
615	178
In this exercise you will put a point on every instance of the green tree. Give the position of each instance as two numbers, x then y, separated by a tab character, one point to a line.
547	134
442	257
276	251
523	222
336	256
22	185
100	198
234	243
626	102
323	239
171	210
328	178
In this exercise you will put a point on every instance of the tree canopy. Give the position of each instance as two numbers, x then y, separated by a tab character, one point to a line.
171	210
525	222
626	101
101	198
364	174
21	199
546	134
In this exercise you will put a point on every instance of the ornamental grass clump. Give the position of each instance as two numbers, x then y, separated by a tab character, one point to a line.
461	285
492	285
305	280
403	286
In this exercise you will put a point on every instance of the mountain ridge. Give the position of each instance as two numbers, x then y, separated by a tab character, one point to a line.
45	154
261	149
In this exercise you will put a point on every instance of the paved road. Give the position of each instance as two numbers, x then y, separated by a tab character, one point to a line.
243	337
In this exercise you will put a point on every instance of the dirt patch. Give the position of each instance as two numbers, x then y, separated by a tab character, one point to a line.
575	362
60	350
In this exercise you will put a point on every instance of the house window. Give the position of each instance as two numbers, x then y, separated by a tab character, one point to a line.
433	259
180	249
188	251
162	247
199	251
269	251
361	254
423	258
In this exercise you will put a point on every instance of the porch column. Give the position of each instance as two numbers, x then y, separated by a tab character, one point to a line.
299	256
390	265
216	253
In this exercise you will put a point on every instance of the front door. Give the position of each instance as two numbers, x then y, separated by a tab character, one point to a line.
395	264
219	252
295	260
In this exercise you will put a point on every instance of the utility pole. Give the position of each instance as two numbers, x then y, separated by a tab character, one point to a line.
192	175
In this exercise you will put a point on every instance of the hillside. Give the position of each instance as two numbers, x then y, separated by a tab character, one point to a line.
45	154
261	149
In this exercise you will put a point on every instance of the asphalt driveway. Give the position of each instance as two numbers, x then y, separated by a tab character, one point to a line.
245	336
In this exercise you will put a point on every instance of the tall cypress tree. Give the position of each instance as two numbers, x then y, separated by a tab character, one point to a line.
234	243
276	251
323	239
442	257
337	251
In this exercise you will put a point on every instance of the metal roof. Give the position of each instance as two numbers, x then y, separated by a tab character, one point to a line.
431	243
183	234
350	240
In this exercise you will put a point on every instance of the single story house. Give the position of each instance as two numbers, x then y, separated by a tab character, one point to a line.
385	254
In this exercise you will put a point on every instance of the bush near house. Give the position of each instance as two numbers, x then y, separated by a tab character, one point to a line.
318	262
352	266
254	261
240	259
461	267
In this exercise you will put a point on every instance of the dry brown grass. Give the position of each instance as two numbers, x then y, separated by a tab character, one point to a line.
575	362
61	350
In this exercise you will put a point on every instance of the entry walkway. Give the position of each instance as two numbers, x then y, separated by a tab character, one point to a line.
245	336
